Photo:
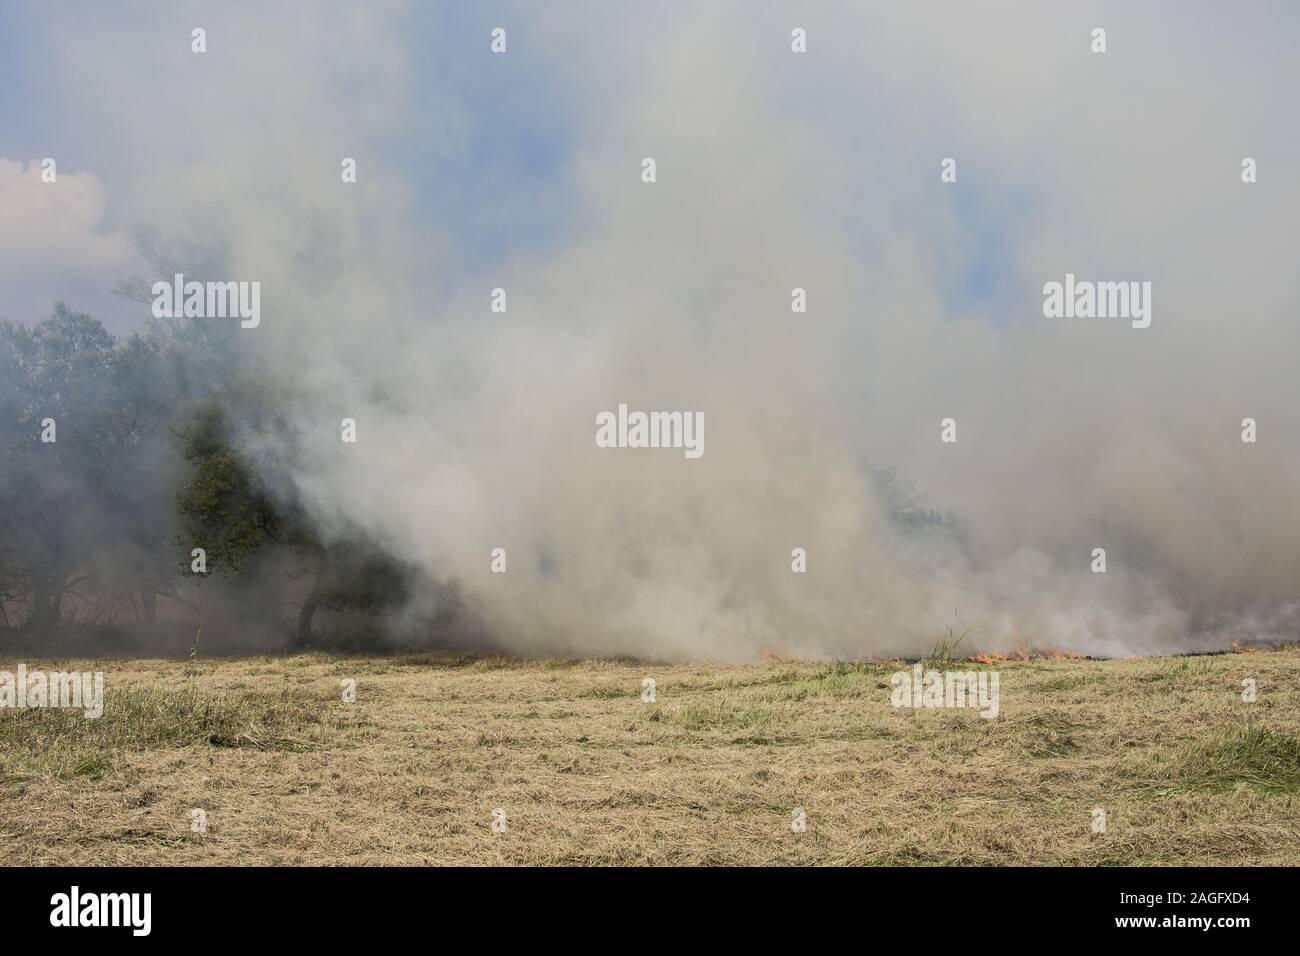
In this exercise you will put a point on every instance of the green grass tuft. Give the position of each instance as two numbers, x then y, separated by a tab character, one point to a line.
1250	756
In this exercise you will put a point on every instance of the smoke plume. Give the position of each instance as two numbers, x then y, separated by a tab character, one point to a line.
774	171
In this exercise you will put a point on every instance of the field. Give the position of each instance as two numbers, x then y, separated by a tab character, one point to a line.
712	772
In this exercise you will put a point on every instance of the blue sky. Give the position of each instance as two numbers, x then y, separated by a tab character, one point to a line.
502	188
502	184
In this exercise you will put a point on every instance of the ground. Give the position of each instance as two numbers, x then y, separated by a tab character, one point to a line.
712	772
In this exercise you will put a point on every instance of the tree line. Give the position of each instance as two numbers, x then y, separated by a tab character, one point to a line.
129	472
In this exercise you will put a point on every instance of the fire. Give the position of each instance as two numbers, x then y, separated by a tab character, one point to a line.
1025	654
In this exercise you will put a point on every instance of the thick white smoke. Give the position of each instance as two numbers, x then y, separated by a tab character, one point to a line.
775	170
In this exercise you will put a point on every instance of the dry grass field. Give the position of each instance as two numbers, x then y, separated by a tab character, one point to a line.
711	773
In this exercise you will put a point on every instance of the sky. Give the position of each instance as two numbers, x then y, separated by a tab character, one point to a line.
775	170
457	167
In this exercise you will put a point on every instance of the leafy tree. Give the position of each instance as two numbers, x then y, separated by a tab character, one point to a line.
155	446
52	514
91	513
230	514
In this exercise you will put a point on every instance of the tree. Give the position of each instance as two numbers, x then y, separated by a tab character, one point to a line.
57	381
155	445
230	513
90	513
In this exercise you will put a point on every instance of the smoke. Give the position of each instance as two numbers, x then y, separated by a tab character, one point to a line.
774	171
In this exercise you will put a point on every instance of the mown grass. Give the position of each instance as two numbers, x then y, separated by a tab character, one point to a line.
64	743
710	772
720	715
1055	685
1251	756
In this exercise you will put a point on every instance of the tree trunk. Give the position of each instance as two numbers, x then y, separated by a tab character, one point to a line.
309	605
45	608
149	598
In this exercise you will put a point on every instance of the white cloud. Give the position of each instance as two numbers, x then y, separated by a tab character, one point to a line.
53	228
53	246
